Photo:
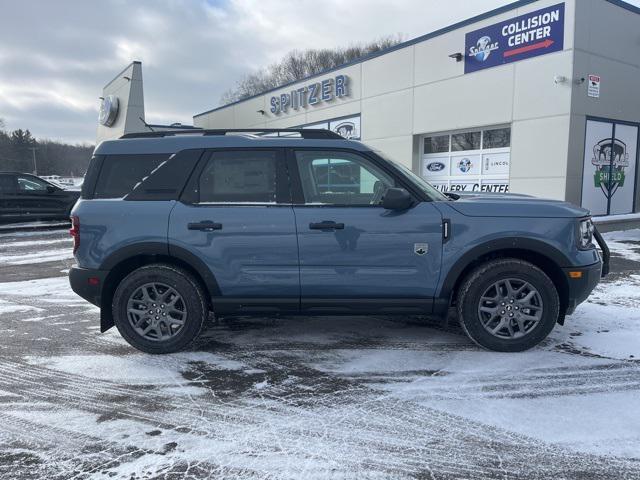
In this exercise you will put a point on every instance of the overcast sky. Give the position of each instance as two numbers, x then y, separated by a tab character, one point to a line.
55	56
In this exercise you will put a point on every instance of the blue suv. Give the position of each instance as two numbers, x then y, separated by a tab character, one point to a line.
172	226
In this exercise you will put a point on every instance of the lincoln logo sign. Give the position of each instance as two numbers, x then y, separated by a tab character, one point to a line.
311	94
526	36
610	159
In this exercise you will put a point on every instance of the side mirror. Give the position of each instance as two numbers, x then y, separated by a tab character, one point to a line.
452	196
51	189
397	199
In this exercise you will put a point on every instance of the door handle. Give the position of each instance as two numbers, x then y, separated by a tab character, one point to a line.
205	226
326	226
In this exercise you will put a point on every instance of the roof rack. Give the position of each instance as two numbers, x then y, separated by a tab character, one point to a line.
309	133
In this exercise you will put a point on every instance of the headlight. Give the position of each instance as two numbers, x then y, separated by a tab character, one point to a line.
585	240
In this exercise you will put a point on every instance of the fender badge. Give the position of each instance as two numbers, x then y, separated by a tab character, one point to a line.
420	248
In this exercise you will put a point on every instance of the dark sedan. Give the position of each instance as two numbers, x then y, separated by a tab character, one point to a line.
25	197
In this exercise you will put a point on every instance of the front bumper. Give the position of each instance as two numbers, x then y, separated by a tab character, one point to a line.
581	288
87	283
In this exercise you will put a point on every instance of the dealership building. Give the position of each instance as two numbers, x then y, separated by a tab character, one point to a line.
537	97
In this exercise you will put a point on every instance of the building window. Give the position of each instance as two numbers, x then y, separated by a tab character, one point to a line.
348	127
497	138
465	141
468	161
437	144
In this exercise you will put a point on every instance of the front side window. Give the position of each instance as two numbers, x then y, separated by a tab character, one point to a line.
31	185
239	177
341	178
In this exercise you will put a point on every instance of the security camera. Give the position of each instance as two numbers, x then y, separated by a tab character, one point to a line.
559	79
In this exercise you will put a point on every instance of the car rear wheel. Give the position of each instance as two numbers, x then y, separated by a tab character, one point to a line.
508	305
159	309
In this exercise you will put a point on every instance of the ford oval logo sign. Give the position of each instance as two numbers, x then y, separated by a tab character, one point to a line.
108	110
435	166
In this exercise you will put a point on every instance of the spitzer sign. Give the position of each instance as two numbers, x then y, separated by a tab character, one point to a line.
526	36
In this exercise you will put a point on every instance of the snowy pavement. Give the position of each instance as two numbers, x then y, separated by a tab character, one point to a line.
348	397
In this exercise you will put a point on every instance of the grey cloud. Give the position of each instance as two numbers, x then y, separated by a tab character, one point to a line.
55	56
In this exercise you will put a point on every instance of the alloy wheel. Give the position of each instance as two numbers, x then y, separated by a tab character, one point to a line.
510	308
156	311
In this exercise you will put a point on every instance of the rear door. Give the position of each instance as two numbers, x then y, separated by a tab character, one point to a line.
236	216
9	209
354	254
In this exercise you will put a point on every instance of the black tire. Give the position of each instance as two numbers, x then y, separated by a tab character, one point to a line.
481	280
192	301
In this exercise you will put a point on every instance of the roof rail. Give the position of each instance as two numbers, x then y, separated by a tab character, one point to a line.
309	133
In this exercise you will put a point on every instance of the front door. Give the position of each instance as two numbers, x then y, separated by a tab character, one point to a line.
354	254
238	219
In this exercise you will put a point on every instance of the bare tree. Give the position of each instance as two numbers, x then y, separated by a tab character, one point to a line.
297	65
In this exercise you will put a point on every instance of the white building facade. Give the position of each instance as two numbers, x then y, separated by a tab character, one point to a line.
538	97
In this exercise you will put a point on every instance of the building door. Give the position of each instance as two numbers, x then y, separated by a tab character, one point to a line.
610	167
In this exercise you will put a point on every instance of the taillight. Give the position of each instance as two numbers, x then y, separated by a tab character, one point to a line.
74	231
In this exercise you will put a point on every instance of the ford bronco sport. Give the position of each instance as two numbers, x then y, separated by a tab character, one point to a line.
174	225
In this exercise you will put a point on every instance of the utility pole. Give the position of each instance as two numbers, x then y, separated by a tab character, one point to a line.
35	165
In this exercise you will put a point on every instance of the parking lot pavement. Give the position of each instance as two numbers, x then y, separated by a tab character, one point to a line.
348	397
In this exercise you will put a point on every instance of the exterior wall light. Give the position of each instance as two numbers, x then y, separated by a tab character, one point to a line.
458	56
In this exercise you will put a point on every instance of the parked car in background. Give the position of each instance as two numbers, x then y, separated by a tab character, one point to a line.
172	226
66	183
26	197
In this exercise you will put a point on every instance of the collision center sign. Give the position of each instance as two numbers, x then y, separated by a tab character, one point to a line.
522	37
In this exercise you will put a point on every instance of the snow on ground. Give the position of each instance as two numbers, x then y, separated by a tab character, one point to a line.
625	244
31	258
34	225
48	290
346	397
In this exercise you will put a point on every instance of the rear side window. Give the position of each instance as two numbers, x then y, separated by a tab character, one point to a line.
120	173
239	177
7	184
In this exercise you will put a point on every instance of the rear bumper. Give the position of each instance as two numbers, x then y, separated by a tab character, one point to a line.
581	288
87	283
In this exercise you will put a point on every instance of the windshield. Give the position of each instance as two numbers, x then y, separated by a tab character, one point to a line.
432	192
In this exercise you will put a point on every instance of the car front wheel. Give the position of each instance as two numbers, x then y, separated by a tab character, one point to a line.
159	308
508	305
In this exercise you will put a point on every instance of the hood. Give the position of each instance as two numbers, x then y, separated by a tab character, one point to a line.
511	205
